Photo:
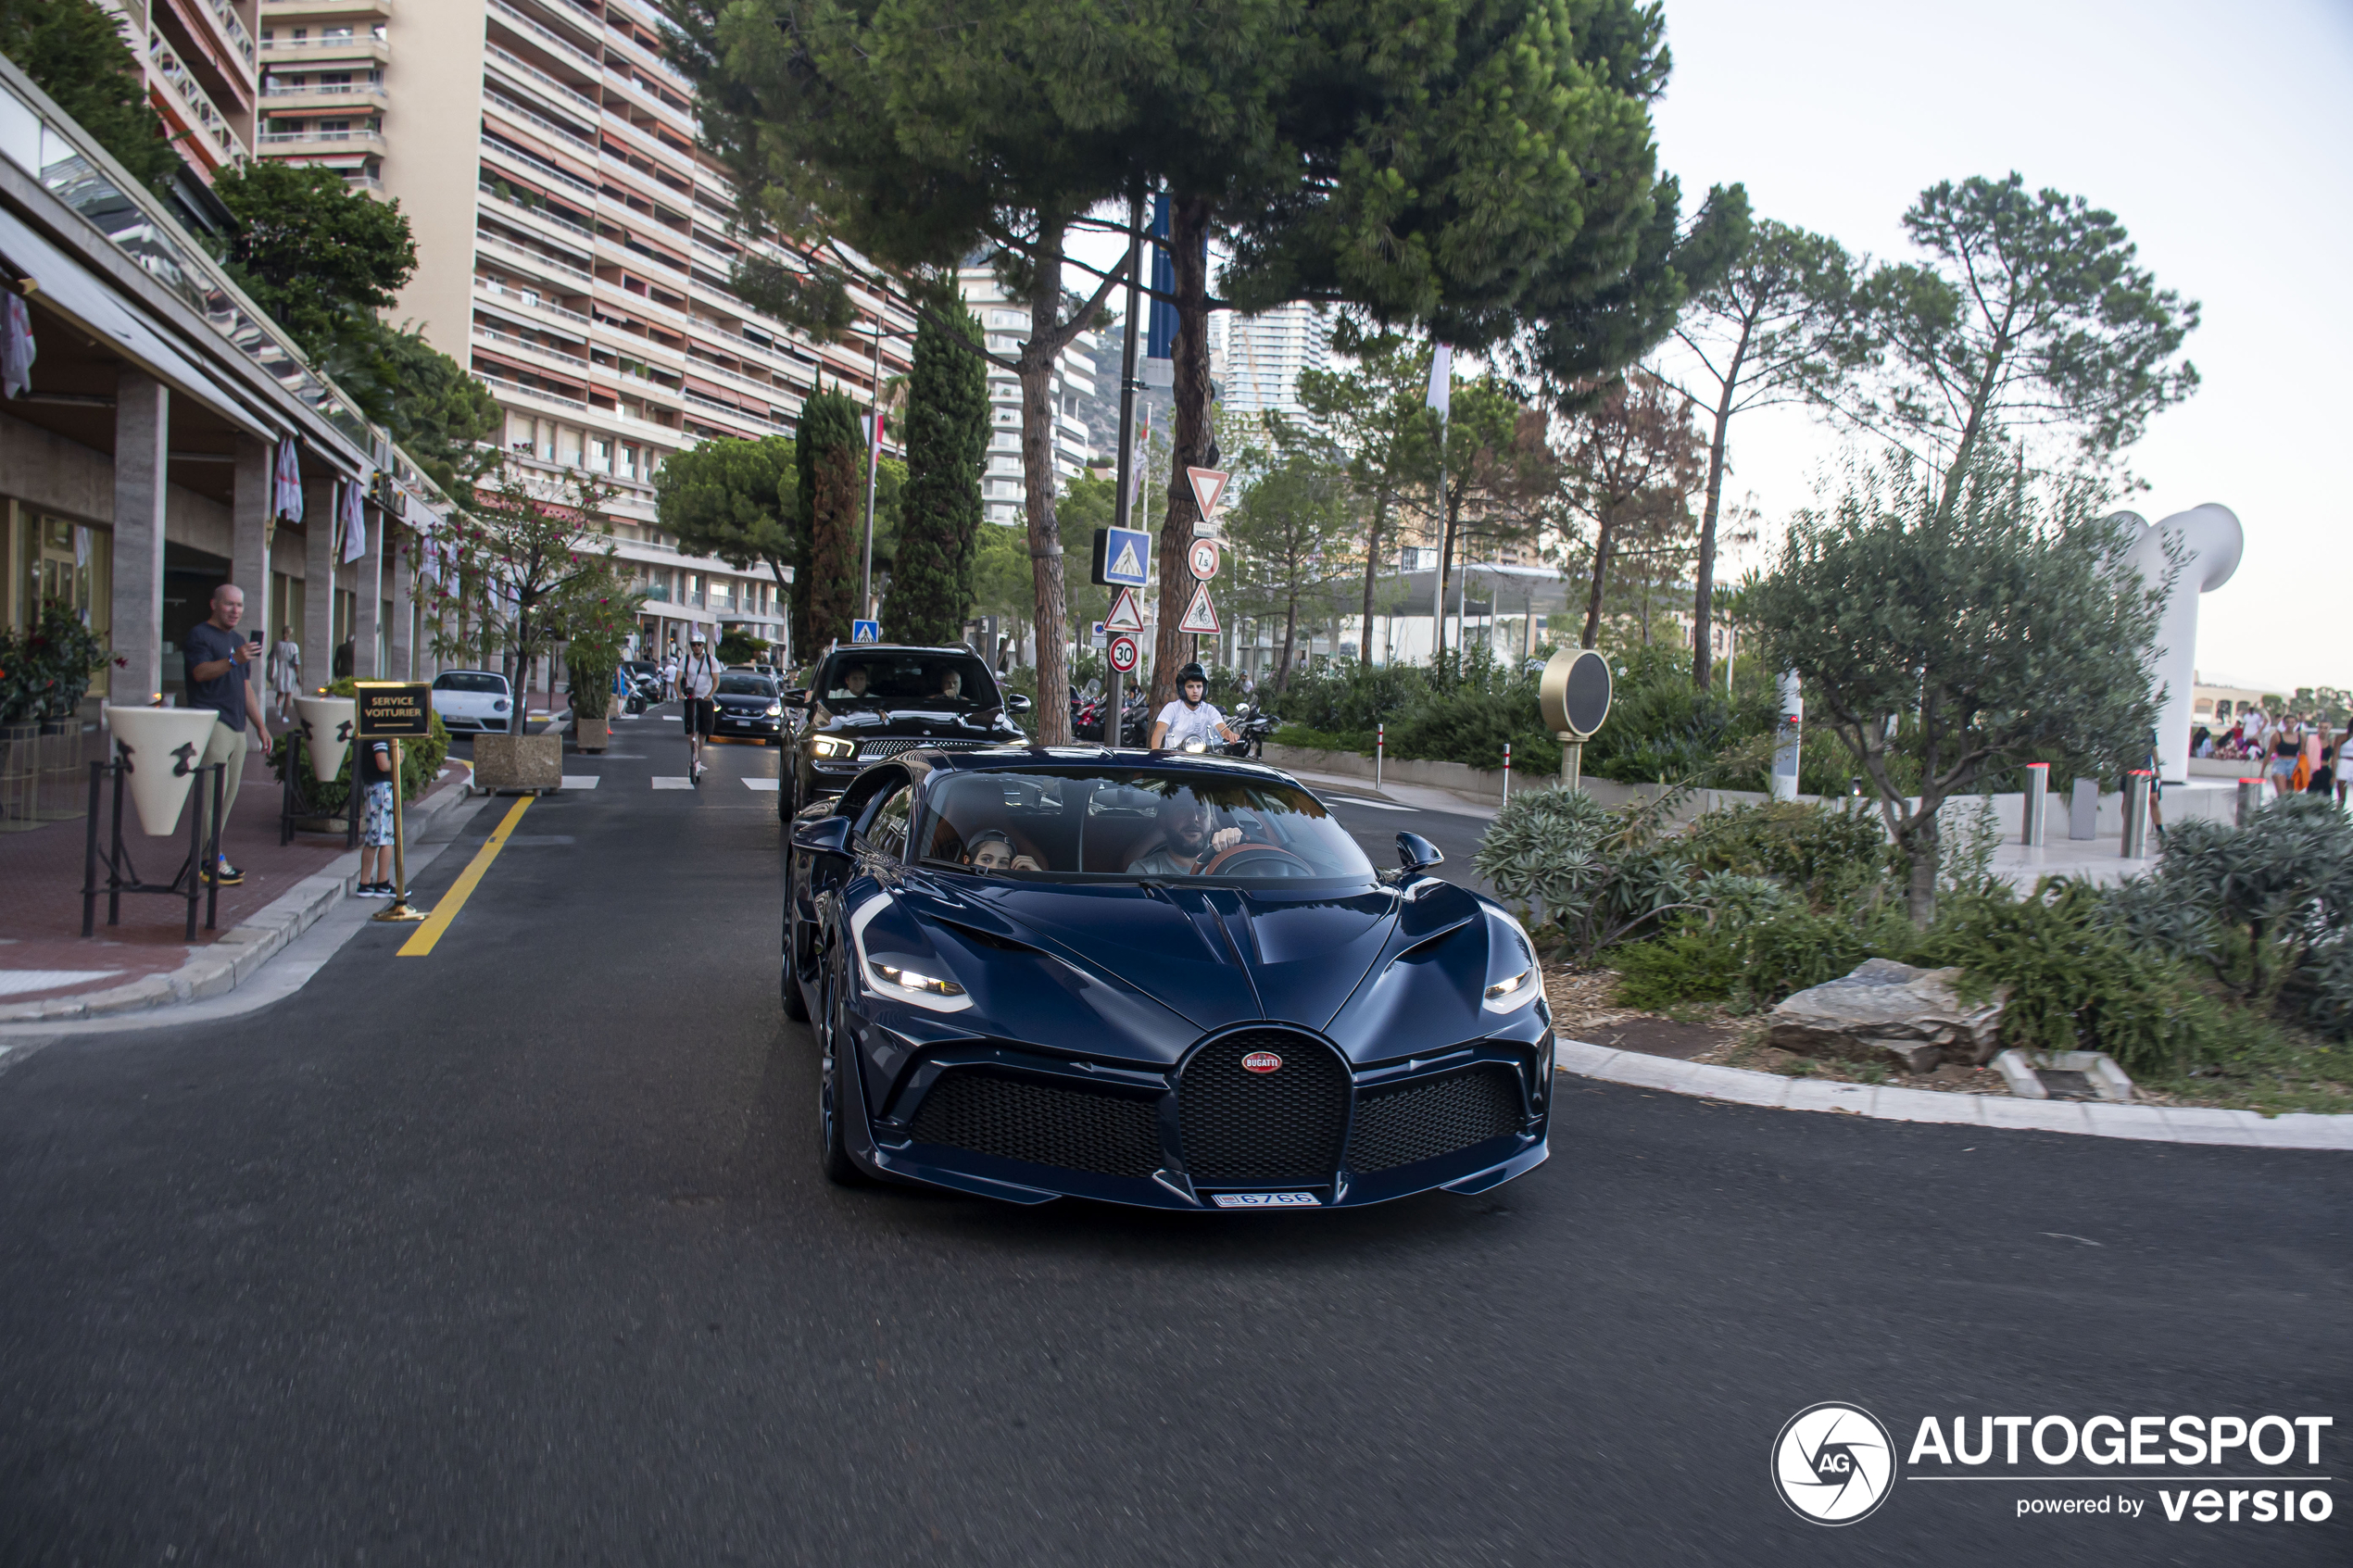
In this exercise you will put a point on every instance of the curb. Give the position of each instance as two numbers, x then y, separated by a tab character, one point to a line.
234	956
2153	1124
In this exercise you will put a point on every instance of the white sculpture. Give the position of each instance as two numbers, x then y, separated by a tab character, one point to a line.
2212	543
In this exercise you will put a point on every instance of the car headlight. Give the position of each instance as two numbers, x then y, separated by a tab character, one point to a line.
908	979
775	711
1510	993
833	746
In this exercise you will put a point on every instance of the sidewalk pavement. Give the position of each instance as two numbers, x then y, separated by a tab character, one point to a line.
44	960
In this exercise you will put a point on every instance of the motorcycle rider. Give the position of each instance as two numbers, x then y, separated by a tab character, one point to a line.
1192	719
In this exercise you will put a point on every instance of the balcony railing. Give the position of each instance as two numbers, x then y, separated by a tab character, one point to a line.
541	213
742	413
287	138
233	28
538	258
547	34
538	166
531	301
507	106
518	389
516	62
348	90
208	120
349	44
527	346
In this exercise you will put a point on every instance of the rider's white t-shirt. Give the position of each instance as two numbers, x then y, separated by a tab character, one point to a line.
697	676
1190	723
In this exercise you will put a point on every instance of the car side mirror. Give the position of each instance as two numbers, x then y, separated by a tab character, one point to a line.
1016	702
797	697
826	836
1416	853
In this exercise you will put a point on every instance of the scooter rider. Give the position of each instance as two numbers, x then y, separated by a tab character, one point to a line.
1190	720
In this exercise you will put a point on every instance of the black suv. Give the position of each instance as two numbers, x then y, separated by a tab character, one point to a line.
873	702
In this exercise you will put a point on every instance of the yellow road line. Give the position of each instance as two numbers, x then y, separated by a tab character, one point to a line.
420	944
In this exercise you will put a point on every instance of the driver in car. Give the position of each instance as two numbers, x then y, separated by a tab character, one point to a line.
952	684
853	682
1185	840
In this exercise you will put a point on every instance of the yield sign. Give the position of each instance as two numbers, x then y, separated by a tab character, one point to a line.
1209	488
1200	616
1124	616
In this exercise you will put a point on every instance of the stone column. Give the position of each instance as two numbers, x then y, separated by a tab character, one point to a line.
141	422
249	538
317	585
367	574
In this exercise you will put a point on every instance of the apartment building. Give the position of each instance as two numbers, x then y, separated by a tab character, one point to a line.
1004	493
203	72
572	246
1257	360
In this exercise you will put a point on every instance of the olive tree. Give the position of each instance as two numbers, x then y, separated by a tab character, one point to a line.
1964	636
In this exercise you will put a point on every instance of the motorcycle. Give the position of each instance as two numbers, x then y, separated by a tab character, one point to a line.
1251	724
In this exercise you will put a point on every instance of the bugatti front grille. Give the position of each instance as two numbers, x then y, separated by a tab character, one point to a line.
1283	1124
1421	1121
1020	1118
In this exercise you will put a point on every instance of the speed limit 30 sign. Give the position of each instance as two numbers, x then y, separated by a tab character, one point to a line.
1122	654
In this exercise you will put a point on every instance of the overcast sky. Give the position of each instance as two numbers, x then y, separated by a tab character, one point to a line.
2222	138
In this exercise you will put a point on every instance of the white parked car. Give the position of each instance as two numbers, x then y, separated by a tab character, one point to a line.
471	699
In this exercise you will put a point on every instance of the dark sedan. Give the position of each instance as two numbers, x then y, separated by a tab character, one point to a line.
873	702
1169	982
745	704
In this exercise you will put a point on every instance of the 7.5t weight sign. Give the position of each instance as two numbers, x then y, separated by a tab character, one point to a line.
1200	555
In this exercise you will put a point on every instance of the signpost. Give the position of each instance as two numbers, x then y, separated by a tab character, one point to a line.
1122	656
865	632
1575	698
395	710
1209	488
1095	637
1200	555
1123	557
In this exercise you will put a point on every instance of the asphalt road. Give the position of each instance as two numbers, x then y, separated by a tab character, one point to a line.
518	1253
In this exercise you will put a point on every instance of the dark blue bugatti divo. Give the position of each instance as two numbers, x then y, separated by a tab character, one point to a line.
1162	980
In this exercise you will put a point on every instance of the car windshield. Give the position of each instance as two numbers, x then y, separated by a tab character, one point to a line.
470	681
1132	823
746	686
887	679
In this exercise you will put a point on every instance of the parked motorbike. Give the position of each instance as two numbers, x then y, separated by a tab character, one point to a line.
1252	725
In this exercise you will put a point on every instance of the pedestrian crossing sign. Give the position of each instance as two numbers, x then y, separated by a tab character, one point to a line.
1123	557
866	631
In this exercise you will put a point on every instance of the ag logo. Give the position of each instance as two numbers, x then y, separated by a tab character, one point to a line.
1833	1463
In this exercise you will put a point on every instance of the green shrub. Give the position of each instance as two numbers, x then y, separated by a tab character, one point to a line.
1824	854
1753	964
421	761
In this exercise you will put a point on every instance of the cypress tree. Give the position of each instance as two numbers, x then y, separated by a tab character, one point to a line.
931	578
829	452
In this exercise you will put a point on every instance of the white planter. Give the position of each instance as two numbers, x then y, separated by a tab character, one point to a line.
162	748
326	731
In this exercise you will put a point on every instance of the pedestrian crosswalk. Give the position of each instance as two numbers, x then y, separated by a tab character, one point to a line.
681	781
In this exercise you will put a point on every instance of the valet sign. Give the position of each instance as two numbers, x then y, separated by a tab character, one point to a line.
1837	1464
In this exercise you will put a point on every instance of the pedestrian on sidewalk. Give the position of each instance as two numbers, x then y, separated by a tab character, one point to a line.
222	676
285	674
698	678
2284	751
373	775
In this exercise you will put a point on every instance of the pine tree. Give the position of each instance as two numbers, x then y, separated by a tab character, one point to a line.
931	581
833	502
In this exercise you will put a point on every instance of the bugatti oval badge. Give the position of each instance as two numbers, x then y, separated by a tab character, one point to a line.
1261	1062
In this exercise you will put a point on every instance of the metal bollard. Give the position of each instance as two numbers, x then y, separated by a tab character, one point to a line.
2083	810
2037	814
1507	772
2136	814
2250	799
1380	745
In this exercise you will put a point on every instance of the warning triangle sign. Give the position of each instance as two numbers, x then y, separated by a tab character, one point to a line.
1125	615
1200	616
1125	564
1209	488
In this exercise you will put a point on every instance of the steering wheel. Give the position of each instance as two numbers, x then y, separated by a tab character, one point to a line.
1226	857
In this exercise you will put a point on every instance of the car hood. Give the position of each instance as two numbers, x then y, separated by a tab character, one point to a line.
1143	970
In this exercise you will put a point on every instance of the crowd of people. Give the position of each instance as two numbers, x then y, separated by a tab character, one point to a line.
2298	755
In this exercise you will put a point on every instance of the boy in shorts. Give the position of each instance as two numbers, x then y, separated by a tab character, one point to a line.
372	775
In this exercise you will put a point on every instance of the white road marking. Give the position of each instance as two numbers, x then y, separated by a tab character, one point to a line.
1375	805
582	781
767	785
673	784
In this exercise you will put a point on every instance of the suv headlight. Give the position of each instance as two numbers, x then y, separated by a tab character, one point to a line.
908	979
833	746
1513	992
775	711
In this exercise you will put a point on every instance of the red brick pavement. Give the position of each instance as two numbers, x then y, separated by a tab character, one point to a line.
40	874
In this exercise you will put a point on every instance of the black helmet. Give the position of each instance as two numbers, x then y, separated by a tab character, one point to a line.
1192	672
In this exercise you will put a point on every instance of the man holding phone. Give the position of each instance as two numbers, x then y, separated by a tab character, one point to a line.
223	675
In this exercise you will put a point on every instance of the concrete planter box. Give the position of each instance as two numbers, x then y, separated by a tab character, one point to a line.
532	763
592	734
